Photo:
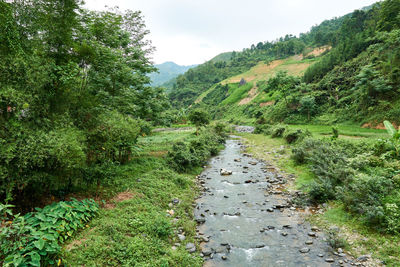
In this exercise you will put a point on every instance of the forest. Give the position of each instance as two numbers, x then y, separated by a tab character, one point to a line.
99	168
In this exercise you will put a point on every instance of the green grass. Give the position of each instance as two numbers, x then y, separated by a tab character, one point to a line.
344	130
137	231
205	93
236	93
361	239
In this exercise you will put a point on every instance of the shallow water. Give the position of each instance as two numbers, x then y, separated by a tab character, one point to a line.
235	209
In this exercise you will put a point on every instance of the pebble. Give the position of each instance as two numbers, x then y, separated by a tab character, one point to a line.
309	242
312	234
181	237
320	255
270	210
190	247
304	250
363	258
329	260
314	228
284	233
206	251
224	257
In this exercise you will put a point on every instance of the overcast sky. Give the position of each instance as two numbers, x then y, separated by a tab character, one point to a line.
194	31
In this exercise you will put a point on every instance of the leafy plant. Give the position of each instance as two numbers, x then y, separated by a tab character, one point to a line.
33	239
395	136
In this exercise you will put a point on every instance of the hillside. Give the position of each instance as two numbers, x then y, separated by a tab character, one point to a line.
343	70
295	65
166	72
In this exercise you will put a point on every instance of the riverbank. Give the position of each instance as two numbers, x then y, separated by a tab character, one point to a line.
360	241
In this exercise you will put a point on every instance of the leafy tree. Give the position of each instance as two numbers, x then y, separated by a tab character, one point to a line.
307	105
199	117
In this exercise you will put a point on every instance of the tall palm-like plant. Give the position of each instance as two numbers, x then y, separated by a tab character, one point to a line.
395	136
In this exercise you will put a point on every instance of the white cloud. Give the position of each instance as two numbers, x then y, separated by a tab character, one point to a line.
192	31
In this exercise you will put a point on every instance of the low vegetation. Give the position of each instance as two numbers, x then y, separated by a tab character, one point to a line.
359	175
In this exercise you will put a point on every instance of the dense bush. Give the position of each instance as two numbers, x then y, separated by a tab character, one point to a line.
33	239
295	135
278	131
265	129
187	155
359	174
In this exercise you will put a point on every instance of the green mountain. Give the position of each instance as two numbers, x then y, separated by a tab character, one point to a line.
346	69
166	72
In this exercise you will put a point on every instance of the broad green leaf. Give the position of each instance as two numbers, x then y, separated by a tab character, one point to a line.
390	128
39	244
35	257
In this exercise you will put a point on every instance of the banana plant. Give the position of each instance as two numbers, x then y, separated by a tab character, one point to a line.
395	136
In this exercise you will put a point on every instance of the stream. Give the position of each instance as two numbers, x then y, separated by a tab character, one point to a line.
245	218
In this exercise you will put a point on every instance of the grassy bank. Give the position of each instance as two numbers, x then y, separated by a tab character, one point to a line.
138	226
361	238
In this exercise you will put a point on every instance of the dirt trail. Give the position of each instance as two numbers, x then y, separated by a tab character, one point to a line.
247	219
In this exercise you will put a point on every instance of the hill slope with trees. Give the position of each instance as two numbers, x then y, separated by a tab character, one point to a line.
357	75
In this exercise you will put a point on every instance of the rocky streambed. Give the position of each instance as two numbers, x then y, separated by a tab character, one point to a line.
246	218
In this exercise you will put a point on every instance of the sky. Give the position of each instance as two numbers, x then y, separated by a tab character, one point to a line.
193	31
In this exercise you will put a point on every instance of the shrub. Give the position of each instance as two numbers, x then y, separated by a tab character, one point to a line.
263	129
187	155
33	239
295	136
145	127
278	131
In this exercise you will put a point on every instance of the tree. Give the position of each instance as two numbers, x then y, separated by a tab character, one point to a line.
199	117
307	105
389	15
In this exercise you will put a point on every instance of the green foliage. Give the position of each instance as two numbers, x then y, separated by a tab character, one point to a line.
278	131
294	136
357	174
185	156
74	92
34	239
395	136
335	133
236	93
199	117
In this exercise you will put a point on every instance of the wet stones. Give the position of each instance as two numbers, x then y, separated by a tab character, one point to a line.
190	247
312	234
200	220
206	251
304	250
237	160
363	258
225	172
309	242
270	210
329	260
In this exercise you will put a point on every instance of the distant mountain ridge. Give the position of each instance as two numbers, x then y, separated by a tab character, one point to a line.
167	71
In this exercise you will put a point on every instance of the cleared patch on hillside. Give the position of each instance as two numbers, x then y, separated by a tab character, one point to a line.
251	95
318	51
295	66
